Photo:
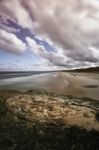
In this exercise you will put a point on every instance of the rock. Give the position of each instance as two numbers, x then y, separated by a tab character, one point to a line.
45	122
87	114
97	116
72	112
45	113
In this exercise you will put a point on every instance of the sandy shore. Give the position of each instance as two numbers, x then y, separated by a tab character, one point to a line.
82	85
70	84
75	84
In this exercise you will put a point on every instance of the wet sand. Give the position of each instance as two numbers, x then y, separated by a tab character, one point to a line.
74	84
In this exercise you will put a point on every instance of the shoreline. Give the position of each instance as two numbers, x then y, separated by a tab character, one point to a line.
77	84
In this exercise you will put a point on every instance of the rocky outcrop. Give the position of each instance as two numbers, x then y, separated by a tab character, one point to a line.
40	120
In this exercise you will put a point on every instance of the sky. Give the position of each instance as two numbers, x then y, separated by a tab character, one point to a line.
48	34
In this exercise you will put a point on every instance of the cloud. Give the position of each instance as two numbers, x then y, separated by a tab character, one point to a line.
9	42
57	59
36	48
72	26
14	11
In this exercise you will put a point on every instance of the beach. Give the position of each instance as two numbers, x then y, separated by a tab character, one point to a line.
56	110
75	84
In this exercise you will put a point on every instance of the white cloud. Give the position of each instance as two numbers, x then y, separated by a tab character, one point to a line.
57	59
37	49
95	52
71	24
9	42
13	10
